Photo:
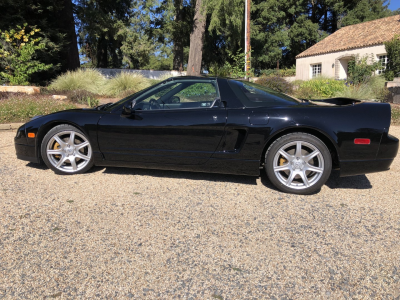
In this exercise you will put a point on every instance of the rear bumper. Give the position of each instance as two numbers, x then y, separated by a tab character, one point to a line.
387	152
360	167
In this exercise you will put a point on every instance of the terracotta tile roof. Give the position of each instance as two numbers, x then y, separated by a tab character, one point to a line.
357	36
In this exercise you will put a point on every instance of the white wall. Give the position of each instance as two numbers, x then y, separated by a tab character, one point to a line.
151	74
331	66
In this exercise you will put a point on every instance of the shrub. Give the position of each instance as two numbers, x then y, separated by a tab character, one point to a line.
276	83
393	53
216	70
360	71
17	54
395	115
281	72
20	108
320	87
83	79
377	85
234	69
305	92
125	83
373	89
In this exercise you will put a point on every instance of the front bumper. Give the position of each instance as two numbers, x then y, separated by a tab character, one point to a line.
24	150
386	154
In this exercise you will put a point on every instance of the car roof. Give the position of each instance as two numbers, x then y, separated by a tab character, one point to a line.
192	77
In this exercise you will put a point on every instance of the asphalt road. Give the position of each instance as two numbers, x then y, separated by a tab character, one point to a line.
120	233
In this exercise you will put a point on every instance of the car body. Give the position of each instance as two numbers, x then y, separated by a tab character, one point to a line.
228	128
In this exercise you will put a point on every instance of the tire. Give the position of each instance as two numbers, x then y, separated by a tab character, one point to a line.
295	173
64	156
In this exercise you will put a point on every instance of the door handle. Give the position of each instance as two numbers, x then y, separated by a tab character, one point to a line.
215	118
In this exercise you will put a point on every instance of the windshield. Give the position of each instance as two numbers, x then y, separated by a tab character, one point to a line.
119	102
255	95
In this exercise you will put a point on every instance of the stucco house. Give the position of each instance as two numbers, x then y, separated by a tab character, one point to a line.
330	56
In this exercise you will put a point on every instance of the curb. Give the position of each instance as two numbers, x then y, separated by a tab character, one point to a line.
10	126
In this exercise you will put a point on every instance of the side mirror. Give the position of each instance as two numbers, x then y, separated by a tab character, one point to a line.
128	109
175	99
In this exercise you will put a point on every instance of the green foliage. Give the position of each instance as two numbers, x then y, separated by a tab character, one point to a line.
281	72
55	24
100	23
125	83
319	88
159	62
216	70
21	107
236	68
366	10
276	83
393	53
83	79
18	49
198	89
136	47
360	70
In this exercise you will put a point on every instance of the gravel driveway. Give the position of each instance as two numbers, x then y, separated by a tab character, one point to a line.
147	234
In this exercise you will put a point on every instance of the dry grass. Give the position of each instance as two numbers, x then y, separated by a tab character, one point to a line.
94	82
125	84
83	79
21	108
395	114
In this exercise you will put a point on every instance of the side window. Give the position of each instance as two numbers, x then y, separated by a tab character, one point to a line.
150	100
179	95
254	95
203	93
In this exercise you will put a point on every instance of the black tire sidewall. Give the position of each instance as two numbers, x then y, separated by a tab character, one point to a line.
298	136
49	135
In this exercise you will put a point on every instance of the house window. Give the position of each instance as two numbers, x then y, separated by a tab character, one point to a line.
316	70
383	59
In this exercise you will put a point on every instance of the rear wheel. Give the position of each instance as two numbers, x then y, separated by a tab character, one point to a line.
66	150
298	163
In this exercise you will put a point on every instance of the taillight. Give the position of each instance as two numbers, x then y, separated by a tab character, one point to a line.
362	141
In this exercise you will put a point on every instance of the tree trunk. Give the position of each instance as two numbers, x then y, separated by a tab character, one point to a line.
102	52
177	38
67	24
197	40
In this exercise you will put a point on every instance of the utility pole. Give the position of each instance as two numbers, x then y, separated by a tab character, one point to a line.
247	46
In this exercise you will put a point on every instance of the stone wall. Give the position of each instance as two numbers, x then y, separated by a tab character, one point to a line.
20	89
151	74
394	89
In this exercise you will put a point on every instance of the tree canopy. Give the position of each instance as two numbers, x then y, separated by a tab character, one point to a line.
150	34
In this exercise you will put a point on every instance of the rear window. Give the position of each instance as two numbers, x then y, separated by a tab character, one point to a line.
255	95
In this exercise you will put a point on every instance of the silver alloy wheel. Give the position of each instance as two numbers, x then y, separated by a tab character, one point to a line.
69	151
298	165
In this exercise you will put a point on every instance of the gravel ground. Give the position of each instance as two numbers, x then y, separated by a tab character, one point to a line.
148	234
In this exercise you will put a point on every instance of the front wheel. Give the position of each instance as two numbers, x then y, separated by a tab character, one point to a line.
66	150
298	163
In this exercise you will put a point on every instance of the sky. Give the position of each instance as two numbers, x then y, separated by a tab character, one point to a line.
394	4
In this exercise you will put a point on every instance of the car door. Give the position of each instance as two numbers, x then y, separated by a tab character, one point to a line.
180	122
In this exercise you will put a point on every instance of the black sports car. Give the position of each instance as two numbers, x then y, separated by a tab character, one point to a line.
217	125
